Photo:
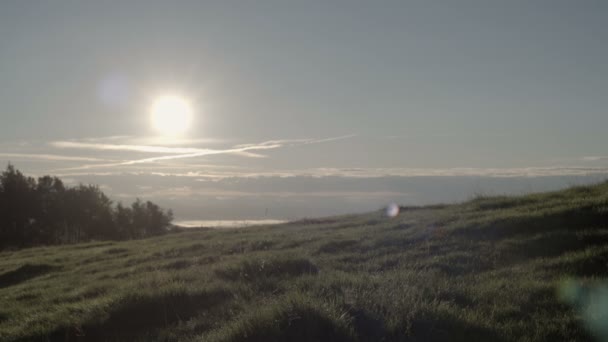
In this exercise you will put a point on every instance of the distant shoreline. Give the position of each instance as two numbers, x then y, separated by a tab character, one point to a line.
225	223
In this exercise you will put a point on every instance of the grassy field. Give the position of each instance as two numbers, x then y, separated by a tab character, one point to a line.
525	268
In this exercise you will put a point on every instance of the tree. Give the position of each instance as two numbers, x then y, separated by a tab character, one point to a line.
17	212
123	218
89	214
158	220
50	211
149	219
46	212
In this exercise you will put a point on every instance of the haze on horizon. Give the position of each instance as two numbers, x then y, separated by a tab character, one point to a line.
305	109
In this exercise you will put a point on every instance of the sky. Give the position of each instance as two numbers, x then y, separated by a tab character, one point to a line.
306	108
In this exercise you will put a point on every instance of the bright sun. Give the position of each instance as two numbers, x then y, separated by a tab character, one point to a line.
171	115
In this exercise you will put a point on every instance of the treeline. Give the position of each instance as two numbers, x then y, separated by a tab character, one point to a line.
45	211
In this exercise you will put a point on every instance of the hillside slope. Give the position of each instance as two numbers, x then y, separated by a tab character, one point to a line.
499	268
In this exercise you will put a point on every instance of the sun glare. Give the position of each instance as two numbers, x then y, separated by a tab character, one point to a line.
171	114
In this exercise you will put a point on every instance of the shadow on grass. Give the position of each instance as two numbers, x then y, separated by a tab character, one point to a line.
294	322
367	326
337	246
91	245
116	250
251	270
597	266
501	202
312	221
591	264
24	273
557	243
562	242
572	219
140	316
449	329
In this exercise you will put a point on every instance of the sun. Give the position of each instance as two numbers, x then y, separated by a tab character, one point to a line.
171	114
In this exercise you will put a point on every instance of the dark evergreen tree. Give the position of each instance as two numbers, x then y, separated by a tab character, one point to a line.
18	206
50	214
46	212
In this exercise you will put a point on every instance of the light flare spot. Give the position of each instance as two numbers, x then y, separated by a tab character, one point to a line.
392	210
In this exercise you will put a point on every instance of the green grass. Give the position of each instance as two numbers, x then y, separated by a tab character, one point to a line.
525	268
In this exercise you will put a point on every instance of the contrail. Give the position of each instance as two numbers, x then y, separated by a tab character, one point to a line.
185	152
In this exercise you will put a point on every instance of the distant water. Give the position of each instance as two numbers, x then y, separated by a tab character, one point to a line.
225	223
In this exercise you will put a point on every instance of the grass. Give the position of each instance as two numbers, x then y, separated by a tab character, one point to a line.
525	268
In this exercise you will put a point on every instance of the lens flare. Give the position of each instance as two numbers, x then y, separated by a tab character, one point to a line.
392	210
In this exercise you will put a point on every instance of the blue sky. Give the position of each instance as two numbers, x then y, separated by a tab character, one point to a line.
350	99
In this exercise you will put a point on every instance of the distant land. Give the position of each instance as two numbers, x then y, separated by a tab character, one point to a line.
226	223
292	198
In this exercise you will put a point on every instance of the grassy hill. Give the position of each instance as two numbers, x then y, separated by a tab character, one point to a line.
497	268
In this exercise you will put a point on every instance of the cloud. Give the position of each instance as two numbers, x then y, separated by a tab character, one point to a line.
107	138
198	153
119	147
594	158
455	172
421	172
250	154
294	142
189	191
217	172
50	157
149	140
183	152
324	140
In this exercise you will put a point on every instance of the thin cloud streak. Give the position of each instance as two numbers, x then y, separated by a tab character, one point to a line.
132	148
409	172
206	152
324	140
306	141
243	150
594	158
148	140
250	154
186	191
199	154
219	174
180	150
50	157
